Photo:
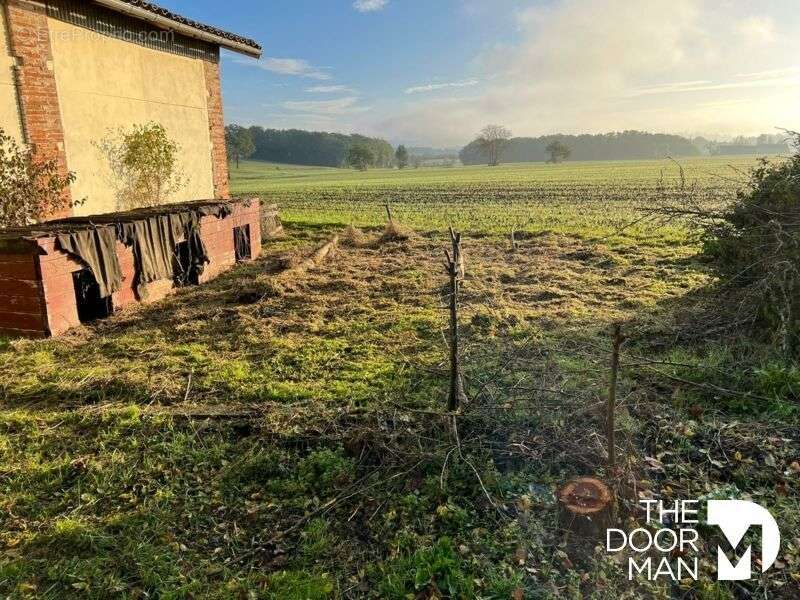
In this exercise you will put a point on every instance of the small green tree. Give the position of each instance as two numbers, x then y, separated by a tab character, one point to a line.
239	142
401	156
144	165
360	157
558	151
30	189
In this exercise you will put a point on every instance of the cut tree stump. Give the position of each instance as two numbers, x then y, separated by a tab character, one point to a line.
586	507
321	253
316	259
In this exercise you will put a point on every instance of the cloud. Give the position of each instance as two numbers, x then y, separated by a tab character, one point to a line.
432	87
370	5
340	106
706	86
771	73
603	65
329	89
296	67
665	88
758	30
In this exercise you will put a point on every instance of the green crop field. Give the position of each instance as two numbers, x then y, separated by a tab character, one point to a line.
282	434
252	176
585	199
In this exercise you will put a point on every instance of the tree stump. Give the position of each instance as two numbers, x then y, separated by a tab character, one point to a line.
586	507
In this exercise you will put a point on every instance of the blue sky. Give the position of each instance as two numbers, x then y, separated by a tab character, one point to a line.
433	72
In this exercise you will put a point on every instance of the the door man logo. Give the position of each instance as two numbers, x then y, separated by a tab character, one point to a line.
679	537
734	518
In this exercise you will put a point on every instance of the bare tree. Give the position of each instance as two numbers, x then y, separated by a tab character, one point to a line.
493	139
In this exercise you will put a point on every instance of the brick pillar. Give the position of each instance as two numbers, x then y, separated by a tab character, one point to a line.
216	127
29	39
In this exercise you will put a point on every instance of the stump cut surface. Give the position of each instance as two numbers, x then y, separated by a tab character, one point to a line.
585	496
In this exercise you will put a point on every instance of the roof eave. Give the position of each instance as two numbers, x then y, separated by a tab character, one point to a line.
188	30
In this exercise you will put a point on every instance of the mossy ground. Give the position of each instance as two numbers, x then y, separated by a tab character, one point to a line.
269	437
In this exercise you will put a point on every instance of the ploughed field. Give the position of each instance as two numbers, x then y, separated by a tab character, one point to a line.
281	434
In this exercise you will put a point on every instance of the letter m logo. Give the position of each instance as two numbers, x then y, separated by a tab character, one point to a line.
734	518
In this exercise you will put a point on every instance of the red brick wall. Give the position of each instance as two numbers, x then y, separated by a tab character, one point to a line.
56	269
29	38
216	126
217	236
21	310
37	293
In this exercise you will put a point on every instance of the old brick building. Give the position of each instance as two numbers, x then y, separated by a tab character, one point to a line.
71	71
59	274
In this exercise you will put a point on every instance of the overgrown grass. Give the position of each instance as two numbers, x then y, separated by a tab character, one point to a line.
256	439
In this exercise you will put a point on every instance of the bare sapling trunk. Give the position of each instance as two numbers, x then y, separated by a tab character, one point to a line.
454	269
611	409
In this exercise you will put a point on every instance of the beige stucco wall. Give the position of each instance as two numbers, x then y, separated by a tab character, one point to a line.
9	107
104	84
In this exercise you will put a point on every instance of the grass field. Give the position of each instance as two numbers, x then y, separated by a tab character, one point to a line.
283	437
584	199
253	176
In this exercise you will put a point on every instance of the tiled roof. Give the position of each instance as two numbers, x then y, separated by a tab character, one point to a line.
167	14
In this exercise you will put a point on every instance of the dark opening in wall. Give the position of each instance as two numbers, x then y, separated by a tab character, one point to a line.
241	242
185	271
87	295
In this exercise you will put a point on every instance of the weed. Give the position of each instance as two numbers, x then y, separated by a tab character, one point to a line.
298	585
435	569
325	470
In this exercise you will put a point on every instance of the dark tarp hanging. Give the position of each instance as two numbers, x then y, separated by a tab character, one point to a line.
153	232
155	239
97	248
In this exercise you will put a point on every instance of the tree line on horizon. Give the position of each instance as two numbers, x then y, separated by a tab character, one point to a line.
493	145
311	148
623	145
605	146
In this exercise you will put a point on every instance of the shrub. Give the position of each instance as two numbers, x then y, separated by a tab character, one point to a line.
30	188
144	165
757	246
